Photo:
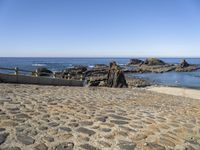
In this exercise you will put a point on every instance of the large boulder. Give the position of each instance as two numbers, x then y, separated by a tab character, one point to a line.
115	77
153	62
135	62
43	72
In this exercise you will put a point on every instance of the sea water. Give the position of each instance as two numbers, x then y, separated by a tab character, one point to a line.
181	79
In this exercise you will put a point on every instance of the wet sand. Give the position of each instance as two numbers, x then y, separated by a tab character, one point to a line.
59	118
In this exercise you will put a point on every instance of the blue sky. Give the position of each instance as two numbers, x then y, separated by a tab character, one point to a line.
87	28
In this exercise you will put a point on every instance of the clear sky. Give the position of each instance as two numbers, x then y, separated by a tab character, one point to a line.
86	28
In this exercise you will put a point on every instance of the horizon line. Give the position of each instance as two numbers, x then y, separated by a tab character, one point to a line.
99	57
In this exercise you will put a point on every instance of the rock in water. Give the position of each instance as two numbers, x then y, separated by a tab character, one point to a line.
153	62
184	63
184	66
115	77
135	62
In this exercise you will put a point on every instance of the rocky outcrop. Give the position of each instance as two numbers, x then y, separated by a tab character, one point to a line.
156	68
137	82
97	81
184	63
42	72
75	72
135	62
98	70
184	66
153	62
115	77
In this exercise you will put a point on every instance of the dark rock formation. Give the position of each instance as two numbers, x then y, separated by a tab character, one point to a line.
135	62
76	72
97	81
150	65
184	66
184	63
96	72
115	77
156	68
153	62
43	72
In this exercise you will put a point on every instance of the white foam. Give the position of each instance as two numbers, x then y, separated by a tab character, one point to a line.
38	65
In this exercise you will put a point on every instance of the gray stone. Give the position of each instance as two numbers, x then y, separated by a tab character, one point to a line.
155	146
102	119
27	140
2	129
86	131
118	117
23	116
65	146
105	129
19	129
73	125
67	129
119	122
125	145
48	139
88	147
105	144
11	148
41	146
86	123
3	137
53	124
42	128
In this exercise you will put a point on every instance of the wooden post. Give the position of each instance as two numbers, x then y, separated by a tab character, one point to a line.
16	70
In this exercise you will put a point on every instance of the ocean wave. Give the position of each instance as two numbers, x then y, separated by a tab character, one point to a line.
122	64
91	66
39	65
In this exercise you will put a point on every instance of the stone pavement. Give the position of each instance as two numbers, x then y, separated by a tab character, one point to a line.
67	118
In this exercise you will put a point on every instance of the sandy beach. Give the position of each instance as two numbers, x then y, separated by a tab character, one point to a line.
184	92
66	118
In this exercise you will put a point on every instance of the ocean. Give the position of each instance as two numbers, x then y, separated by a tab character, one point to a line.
180	79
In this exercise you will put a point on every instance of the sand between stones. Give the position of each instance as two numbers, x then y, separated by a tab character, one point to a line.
50	117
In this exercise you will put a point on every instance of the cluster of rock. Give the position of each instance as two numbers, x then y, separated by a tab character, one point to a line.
74	73
100	75
113	75
158	66
42	72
